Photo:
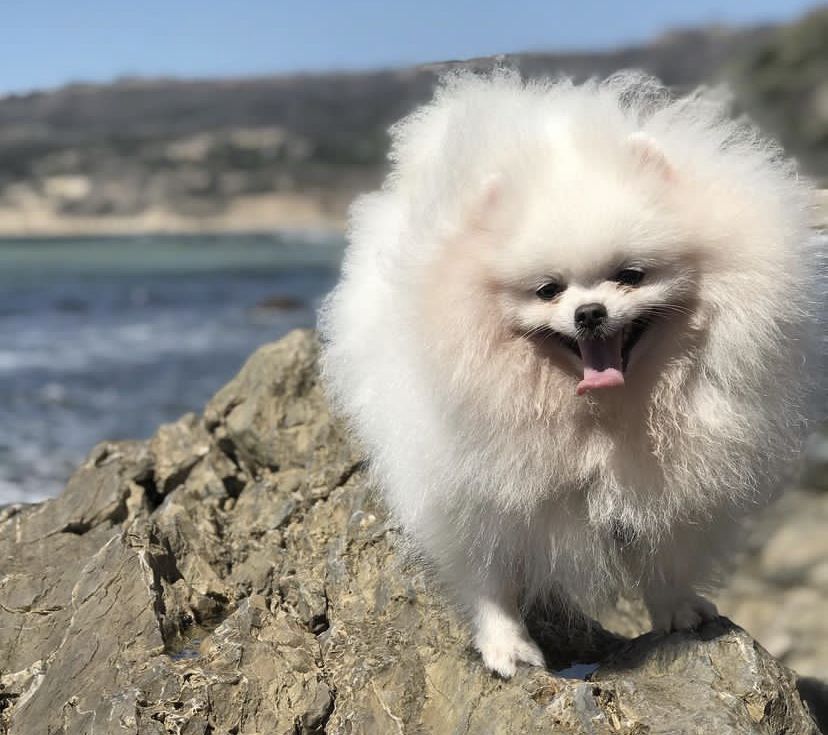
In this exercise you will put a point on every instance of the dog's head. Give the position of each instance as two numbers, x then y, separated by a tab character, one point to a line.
588	263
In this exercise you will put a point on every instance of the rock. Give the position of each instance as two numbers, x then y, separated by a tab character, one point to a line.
235	574
779	591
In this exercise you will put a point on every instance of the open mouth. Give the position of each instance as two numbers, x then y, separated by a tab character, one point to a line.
604	358
631	334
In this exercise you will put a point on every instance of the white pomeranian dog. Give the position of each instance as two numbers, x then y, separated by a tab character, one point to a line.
569	335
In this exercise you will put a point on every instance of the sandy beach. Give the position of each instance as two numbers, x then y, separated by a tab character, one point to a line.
36	216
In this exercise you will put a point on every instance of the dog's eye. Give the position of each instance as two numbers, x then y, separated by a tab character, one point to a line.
549	290
629	276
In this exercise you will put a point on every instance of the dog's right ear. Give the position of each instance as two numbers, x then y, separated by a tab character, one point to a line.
486	202
649	155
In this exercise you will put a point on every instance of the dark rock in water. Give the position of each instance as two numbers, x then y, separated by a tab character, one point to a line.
235	574
280	303
75	306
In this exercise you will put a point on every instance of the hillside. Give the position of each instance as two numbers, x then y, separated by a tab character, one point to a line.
168	154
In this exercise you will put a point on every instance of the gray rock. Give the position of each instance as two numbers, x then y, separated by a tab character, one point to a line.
235	574
779	591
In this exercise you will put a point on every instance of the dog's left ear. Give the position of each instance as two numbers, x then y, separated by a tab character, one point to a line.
650	156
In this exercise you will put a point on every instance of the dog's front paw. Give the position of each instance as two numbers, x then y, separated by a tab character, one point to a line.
681	613
503	648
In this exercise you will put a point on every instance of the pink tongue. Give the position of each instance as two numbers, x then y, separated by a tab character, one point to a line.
602	363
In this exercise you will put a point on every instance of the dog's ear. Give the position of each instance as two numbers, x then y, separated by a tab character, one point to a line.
486	202
649	155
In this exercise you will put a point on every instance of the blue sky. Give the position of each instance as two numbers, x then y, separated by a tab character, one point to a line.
49	42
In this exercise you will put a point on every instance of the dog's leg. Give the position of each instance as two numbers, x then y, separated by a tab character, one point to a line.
678	608
485	579
669	592
499	631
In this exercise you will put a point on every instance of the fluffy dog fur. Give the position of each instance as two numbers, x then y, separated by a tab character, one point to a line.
461	382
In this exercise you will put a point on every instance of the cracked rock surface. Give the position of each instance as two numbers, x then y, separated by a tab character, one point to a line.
234	574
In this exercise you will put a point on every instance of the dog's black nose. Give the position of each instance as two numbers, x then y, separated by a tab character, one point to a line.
590	316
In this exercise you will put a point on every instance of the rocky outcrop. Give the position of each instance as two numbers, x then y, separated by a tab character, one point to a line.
235	574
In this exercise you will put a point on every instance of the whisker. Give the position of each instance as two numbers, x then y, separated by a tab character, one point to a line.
532	331
668	307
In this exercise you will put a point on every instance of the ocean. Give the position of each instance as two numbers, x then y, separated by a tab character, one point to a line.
107	338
